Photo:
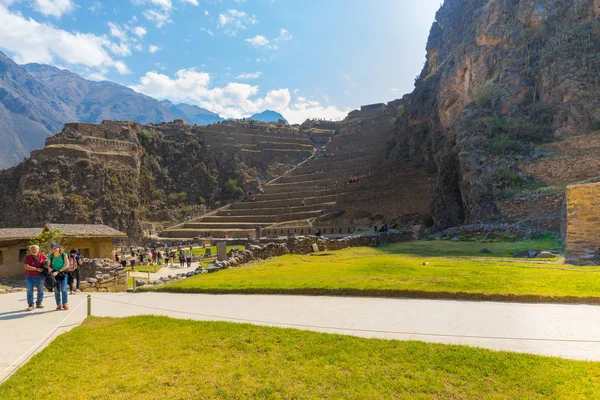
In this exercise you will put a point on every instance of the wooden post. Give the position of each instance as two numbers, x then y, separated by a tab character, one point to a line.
89	305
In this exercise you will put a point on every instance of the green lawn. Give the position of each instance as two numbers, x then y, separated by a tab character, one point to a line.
160	358
430	269
200	251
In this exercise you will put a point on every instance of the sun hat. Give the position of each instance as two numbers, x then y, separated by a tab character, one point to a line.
55	244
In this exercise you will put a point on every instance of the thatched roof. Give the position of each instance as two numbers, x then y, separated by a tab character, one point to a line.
19	233
86	230
68	230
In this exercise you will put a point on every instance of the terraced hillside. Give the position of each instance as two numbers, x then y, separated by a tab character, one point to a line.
317	194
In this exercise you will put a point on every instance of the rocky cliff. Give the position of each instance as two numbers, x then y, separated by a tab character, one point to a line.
506	109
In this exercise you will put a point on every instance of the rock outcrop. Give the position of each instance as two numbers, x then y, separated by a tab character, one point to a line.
506	105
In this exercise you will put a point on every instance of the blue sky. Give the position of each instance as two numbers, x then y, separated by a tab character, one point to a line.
234	57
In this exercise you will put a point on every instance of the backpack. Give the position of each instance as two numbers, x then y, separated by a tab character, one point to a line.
50	282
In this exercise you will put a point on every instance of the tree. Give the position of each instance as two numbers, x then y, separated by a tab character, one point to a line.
46	239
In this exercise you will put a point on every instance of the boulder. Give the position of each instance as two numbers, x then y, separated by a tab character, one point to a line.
140	282
546	254
455	239
485	250
526	254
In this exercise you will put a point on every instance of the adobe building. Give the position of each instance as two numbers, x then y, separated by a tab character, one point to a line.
583	224
93	241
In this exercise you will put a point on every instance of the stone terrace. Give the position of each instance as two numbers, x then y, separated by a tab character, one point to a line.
316	193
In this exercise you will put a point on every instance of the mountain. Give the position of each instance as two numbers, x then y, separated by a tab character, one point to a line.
29	112
93	101
192	114
268	116
36	100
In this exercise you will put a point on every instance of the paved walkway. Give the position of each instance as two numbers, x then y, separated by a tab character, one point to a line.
166	271
569	331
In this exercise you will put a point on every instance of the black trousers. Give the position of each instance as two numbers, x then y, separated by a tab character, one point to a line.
74	275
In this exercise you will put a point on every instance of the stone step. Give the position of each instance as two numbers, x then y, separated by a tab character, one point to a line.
224	225
291	202
273	219
326	164
311	193
275	211
183	233
295	187
341	175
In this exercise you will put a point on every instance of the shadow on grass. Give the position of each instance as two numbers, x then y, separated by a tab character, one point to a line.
448	248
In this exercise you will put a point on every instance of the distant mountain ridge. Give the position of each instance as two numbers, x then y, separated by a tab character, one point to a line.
36	100
269	116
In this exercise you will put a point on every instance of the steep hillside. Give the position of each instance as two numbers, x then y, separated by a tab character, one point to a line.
507	108
123	174
29	111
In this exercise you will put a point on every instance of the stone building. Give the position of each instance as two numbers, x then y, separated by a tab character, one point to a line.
583	224
93	241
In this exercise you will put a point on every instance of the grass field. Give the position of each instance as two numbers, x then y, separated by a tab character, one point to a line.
430	269
161	358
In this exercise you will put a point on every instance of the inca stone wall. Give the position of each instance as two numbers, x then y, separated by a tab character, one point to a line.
583	224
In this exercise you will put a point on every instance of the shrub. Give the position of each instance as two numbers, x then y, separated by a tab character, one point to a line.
231	190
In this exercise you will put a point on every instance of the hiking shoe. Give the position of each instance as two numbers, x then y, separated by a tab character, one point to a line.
65	306
71	292
78	291
39	305
30	308
58	307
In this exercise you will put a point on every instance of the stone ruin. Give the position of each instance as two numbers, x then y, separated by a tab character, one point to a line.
583	224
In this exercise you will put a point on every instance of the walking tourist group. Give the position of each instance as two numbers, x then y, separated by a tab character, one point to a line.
55	272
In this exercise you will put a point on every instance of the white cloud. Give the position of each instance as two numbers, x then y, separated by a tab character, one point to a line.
117	31
31	41
164	4
96	7
56	8
121	67
258	41
211	33
153	49
248	76
234	100
192	2
206	12
159	18
283	35
234	20
139	31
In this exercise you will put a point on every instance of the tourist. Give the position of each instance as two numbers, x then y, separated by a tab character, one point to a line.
132	262
123	259
34	278
167	257
74	262
318	233
159	257
172	255
181	258
188	257
154	256
58	266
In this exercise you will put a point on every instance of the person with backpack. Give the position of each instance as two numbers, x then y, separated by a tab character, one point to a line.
35	264
74	262
58	266
188	257
181	258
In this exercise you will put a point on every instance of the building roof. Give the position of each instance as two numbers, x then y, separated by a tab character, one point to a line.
18	233
86	230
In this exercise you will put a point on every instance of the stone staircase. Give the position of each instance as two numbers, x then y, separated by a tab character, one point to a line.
299	200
